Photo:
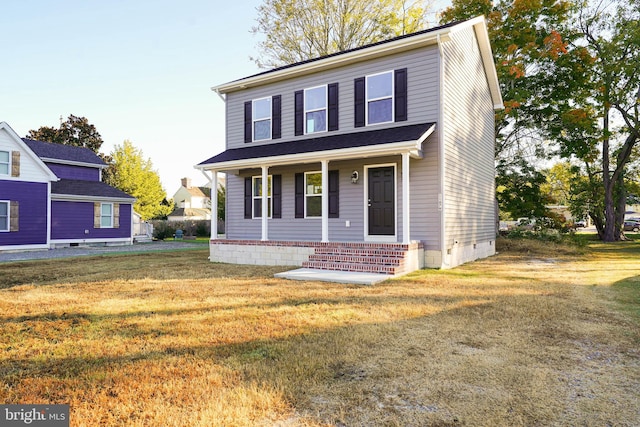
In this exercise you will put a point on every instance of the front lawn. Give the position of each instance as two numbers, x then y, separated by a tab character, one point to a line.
537	335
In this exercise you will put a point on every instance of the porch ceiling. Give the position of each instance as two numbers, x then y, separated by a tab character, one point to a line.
379	142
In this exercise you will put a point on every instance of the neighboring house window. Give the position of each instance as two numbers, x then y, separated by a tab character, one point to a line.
4	215
262	119
308	194
316	109
106	215
313	194
381	98
253	197
5	162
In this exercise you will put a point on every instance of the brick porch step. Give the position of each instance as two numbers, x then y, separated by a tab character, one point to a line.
359	257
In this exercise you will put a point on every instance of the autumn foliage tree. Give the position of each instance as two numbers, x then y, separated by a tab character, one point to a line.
298	30
130	172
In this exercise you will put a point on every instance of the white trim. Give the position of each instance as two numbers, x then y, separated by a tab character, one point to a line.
406	200
74	163
413	147
377	238
97	240
23	247
444	258
78	198
325	200
48	213
265	201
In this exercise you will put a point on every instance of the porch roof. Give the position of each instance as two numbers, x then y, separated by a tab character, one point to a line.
387	141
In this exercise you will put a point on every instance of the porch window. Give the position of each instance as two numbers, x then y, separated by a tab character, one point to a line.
380	98
4	216
261	112
5	160
257	196
315	109
106	215
313	194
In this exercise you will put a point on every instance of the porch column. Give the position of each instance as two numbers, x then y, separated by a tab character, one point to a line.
213	185
265	202
406	217
325	200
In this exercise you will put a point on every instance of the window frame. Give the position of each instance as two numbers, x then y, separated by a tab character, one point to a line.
390	97
255	119
8	163
110	216
8	216
255	197
307	195
324	109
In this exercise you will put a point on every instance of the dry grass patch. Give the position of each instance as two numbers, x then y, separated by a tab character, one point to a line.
171	339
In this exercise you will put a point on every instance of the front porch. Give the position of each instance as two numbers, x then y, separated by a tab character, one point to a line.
390	259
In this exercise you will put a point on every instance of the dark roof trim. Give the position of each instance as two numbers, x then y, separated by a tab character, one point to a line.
97	189
325	143
53	152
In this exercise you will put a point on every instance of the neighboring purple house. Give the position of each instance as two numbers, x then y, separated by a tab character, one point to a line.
51	196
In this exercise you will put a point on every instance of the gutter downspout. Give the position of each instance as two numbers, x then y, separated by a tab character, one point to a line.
444	261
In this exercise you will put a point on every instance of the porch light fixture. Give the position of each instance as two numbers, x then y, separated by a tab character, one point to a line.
354	177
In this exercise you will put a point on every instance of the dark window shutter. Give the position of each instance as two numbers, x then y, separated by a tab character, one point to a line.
333	106
276	196
248	131
359	102
299	112
276	117
248	198
400	95
334	187
299	191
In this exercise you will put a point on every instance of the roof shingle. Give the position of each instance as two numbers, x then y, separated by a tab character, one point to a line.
49	150
76	187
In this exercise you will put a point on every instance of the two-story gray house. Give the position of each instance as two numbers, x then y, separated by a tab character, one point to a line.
376	159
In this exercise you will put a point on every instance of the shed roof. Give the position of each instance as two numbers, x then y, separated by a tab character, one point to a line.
93	189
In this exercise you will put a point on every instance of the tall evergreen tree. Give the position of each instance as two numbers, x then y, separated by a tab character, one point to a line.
75	131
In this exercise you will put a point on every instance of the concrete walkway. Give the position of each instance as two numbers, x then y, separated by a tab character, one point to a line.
10	256
347	277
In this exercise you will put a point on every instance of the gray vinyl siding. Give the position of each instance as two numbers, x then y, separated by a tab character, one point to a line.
422	80
469	140
425	187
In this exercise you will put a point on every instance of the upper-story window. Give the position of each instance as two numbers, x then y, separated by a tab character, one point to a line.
315	109
379	98
262	119
5	162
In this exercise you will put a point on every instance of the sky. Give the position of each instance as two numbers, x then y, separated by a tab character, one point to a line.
137	70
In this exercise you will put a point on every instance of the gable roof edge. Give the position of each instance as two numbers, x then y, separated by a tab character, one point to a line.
23	145
375	50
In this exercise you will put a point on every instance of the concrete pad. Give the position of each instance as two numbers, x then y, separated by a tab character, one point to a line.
348	277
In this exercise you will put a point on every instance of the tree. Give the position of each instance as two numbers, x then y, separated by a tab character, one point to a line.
134	175
298	30
76	131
